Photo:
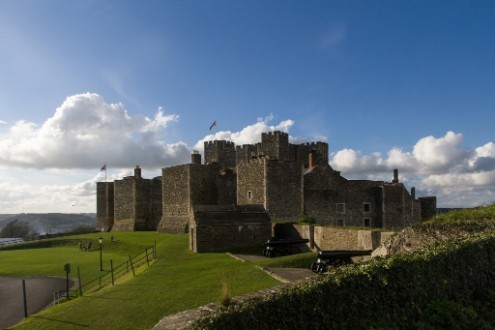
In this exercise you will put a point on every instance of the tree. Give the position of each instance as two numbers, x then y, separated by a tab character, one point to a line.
18	228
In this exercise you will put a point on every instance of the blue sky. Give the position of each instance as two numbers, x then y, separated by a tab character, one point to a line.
407	84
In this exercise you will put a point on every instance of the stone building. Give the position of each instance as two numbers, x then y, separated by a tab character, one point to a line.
137	203
213	227
287	180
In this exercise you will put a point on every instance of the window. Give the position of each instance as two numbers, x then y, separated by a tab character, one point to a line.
340	222
367	222
366	207
250	195
340	207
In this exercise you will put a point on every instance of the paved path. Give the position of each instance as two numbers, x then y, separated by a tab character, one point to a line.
39	294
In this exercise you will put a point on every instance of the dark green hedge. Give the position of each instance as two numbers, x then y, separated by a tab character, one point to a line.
441	283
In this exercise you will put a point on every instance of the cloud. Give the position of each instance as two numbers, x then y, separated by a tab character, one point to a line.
439	166
333	37
86	132
2	122
248	135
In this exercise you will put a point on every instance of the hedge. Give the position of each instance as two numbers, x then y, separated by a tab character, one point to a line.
436	287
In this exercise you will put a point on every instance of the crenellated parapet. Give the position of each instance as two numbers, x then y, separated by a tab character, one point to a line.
319	151
275	145
221	152
246	152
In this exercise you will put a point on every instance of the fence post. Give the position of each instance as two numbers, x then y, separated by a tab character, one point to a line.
79	278
132	266
147	259
24	298
111	267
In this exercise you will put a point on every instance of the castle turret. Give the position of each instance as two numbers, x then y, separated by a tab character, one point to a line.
396	176
137	172
221	152
196	158
275	145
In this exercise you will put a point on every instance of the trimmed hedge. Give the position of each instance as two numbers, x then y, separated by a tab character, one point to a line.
442	283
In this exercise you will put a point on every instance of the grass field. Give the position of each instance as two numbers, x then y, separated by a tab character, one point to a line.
178	280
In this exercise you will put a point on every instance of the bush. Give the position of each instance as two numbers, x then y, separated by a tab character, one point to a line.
18	228
307	219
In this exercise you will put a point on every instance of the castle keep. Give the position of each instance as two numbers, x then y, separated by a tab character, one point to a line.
286	180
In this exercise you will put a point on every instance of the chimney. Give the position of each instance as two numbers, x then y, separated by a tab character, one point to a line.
137	172
396	176
413	193
196	157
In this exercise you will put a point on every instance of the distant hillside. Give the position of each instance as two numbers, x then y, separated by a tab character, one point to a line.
51	222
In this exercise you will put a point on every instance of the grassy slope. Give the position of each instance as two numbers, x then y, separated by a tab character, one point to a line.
179	280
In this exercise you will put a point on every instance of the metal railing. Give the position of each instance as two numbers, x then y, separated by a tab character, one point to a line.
109	277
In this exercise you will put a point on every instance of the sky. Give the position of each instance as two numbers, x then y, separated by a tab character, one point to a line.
388	84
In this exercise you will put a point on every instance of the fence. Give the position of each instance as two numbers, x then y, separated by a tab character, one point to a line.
108	277
8	241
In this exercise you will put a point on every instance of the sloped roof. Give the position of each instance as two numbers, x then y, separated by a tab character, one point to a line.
230	214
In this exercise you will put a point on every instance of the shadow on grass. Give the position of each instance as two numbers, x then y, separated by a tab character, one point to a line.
108	298
60	321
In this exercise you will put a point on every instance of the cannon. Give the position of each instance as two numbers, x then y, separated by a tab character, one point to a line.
282	247
335	258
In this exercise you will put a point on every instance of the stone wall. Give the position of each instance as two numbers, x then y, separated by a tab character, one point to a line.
251	182
320	150
227	188
332	238
156	203
225	227
221	152
428	207
124	205
175	199
275	145
284	190
245	153
104	205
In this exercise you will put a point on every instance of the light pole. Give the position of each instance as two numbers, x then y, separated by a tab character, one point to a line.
100	240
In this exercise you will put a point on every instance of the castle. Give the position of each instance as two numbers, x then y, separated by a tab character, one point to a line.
228	199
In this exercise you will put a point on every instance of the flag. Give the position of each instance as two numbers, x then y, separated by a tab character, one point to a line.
213	125
104	167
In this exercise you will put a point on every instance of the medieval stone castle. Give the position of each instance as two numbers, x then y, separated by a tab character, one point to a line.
232	199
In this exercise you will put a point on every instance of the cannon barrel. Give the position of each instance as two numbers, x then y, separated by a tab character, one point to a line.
325	254
273	242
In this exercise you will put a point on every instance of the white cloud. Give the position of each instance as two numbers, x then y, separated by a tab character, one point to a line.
2	122
248	135
86	132
437	166
440	154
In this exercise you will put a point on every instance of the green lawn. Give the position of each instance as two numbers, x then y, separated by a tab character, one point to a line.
178	280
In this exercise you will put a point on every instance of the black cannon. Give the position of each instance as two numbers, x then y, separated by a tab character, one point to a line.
335	258
282	247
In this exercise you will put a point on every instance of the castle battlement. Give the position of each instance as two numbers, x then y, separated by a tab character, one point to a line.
220	143
275	133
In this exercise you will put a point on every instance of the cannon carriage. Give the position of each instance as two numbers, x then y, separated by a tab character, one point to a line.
282	247
335	258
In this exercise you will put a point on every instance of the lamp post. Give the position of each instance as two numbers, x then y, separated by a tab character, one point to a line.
100	240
